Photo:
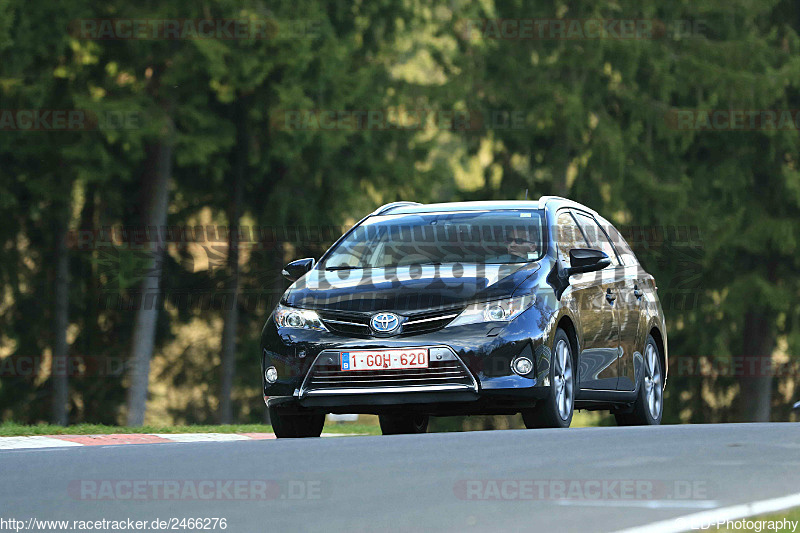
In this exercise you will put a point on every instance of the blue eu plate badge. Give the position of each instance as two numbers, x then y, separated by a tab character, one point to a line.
345	360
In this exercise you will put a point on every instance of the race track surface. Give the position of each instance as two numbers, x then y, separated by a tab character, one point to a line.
591	479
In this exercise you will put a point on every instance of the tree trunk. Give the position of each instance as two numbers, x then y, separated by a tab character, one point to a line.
156	186
88	273
90	341
231	319
60	374
755	396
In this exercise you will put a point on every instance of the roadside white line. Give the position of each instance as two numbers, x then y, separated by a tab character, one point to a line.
201	437
723	514
647	504
57	441
10	443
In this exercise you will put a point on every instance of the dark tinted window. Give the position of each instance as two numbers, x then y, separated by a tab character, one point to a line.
596	236
567	236
624	251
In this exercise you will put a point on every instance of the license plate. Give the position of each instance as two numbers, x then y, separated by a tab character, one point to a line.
384	359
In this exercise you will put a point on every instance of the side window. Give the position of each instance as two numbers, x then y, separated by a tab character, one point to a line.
596	237
625	252
567	236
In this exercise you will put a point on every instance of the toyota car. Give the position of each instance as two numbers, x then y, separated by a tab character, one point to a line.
532	307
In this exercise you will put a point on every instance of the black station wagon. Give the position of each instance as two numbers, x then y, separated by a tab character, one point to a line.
532	307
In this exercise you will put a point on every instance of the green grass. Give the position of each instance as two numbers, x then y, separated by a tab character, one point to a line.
588	419
351	427
11	429
366	425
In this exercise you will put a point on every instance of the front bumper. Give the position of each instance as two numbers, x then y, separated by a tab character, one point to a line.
483	353
446	372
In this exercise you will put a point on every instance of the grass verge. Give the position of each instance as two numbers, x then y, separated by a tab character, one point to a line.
366	425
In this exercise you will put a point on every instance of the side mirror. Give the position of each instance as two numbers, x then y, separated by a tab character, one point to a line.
296	269
586	260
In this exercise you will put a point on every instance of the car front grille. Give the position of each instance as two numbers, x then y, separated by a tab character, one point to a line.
445	371
346	323
427	322
357	324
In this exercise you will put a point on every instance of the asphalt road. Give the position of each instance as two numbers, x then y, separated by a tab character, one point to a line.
592	479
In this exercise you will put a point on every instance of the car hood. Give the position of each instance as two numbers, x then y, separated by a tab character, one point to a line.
411	288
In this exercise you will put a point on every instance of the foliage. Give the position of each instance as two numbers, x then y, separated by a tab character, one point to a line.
593	119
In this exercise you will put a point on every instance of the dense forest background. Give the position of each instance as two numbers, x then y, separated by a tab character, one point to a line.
260	148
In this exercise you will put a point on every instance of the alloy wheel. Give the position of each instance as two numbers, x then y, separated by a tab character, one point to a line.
563	379
652	381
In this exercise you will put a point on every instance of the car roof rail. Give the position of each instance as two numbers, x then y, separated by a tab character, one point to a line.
570	203
384	208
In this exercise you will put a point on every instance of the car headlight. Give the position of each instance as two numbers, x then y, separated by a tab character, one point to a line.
292	317
495	311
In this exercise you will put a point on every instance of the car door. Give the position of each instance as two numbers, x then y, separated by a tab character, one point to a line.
597	361
629	304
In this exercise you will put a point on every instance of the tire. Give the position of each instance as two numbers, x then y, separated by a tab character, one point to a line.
648	409
288	425
557	409
403	424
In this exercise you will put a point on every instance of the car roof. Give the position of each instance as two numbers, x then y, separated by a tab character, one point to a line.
406	208
413	208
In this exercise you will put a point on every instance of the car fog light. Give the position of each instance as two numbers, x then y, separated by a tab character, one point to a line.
522	365
271	374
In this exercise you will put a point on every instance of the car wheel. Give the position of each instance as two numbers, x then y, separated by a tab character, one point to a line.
649	405
403	424
556	410
289	425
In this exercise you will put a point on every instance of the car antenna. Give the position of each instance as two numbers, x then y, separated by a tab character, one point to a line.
526	194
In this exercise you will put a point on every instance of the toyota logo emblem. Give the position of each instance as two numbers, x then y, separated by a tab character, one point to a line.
385	322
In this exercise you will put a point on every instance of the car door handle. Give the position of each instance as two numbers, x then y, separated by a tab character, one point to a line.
636	292
610	296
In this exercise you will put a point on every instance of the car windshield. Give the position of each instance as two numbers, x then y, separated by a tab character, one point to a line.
431	238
